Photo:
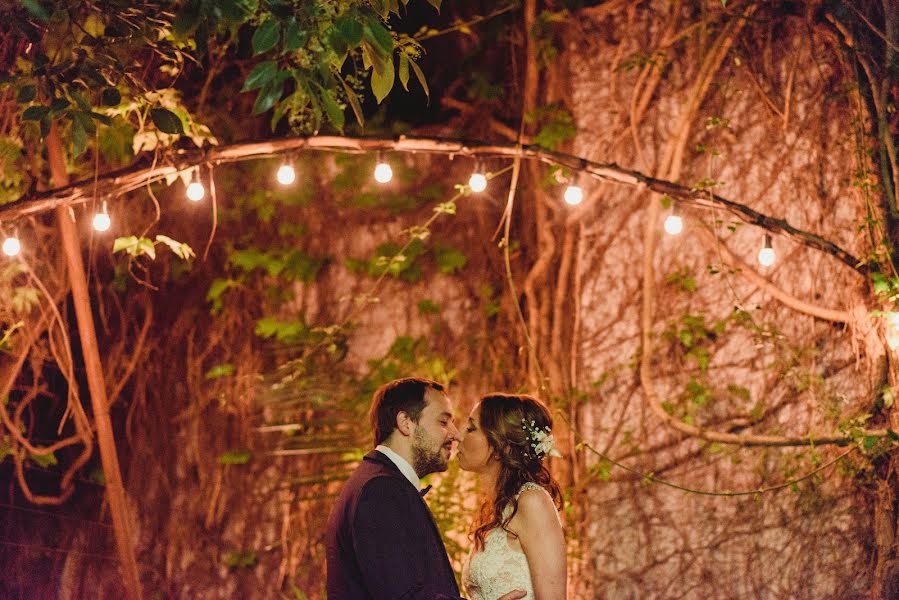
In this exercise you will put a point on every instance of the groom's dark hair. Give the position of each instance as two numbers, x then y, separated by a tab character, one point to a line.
400	395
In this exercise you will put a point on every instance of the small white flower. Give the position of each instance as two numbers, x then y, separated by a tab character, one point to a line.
542	441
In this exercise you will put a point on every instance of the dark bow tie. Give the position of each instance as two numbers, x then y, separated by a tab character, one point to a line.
424	491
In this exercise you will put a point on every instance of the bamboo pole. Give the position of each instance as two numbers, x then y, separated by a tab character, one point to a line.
115	491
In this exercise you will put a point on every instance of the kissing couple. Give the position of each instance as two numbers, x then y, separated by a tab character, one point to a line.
382	541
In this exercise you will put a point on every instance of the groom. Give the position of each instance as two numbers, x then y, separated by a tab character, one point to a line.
382	541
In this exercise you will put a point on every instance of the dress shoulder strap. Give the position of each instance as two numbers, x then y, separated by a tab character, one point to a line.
529	485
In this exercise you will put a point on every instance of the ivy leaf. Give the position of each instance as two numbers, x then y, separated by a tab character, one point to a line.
382	81
27	93
35	113
261	74
449	260
181	250
166	121
266	36
235	457
135	246
218	371
111	97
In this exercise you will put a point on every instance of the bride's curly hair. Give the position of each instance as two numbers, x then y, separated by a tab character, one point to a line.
503	418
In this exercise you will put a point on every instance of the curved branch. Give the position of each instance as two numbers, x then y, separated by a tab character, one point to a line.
134	177
819	312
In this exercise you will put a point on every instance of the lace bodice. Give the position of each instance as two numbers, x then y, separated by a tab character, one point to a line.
498	568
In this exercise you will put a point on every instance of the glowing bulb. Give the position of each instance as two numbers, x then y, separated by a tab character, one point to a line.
574	195
11	246
286	174
674	224
102	222
767	255
892	319
383	172
195	191
477	182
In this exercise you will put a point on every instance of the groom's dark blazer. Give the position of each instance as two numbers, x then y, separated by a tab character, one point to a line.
382	542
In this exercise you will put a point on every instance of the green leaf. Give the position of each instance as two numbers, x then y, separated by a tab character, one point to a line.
379	36
44	460
166	121
181	250
134	246
266	36
27	93
353	99
428	307
333	110
268	96
294	37
261	74
218	371
235	457
421	78
36	9
351	31
404	70
449	260
111	97
35	113
382	81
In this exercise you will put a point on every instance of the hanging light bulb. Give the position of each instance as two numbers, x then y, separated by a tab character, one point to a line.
383	172
674	224
574	195
195	190
286	174
12	245
767	255
478	181
102	222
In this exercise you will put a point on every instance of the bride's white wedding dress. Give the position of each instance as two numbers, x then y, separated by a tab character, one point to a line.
499	568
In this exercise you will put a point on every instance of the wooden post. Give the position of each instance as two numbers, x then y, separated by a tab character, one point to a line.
115	491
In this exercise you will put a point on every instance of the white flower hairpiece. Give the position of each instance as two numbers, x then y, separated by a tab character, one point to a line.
542	442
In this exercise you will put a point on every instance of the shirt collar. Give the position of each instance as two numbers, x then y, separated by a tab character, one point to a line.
402	464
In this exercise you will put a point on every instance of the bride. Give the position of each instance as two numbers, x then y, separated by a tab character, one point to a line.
518	538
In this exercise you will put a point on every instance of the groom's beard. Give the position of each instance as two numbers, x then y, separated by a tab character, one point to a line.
427	457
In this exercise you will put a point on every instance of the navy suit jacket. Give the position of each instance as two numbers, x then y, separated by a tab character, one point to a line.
382	541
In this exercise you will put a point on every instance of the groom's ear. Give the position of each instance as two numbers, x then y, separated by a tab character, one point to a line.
404	422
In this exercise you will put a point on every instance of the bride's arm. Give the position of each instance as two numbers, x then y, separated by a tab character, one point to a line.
543	542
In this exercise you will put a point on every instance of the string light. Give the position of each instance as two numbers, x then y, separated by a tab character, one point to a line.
892	319
674	224
767	256
574	195
383	172
195	190
478	181
102	222
11	245
286	174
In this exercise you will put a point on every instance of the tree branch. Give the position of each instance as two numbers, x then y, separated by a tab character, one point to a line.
134	177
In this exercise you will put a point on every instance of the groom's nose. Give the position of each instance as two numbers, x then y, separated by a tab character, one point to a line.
453	432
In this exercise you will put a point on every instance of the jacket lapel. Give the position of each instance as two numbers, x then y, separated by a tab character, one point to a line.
377	457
